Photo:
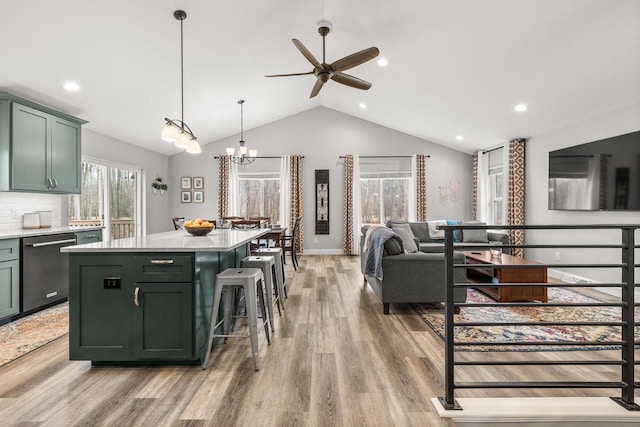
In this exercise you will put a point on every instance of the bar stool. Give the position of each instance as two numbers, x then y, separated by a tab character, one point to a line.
250	280
268	266
279	255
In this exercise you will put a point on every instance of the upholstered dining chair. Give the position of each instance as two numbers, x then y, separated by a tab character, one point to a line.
288	243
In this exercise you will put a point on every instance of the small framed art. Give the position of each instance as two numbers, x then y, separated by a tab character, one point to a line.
198	182
185	196
198	197
185	182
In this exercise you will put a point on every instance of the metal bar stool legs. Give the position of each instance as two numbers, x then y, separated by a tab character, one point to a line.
278	253
251	281
267	264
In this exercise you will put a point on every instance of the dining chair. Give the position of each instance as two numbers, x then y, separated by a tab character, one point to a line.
244	224
177	222
288	243
231	218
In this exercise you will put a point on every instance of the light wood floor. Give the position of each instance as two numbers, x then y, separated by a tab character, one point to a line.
335	359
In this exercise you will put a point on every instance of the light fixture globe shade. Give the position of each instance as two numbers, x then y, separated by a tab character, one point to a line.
243	150
170	133
230	151
253	153
183	140
194	147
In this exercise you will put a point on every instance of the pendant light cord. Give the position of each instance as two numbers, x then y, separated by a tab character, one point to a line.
182	73
241	102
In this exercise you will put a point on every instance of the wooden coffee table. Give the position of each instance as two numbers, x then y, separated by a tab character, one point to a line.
533	273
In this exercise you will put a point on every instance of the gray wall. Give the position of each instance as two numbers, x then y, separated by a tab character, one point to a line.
322	135
536	210
157	217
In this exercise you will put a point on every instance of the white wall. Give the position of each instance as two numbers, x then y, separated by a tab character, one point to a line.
536	210
322	135
98	146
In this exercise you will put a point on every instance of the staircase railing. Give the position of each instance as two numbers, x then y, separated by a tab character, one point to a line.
626	382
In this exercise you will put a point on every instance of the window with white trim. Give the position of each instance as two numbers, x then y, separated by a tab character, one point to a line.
384	196
259	195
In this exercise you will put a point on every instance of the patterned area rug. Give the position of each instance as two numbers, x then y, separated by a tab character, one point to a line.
434	317
29	333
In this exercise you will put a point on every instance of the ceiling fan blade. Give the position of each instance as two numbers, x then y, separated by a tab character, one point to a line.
316	88
293	74
306	52
355	59
349	80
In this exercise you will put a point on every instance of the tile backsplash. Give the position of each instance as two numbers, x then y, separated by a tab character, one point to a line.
14	205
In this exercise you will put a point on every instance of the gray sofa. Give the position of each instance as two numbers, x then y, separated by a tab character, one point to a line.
411	277
475	237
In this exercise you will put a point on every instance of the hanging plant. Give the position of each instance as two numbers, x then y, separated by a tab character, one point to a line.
159	185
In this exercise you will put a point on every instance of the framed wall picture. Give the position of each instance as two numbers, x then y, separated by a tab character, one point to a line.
322	201
198	182
185	196
198	196
185	182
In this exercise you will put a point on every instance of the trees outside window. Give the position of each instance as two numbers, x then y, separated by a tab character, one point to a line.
384	198
259	195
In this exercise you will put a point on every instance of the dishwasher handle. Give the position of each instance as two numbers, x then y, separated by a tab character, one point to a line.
52	243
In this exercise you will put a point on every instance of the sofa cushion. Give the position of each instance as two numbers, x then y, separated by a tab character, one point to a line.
434	233
405	233
474	236
393	246
456	233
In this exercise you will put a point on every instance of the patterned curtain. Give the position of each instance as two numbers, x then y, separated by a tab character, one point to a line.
296	200
347	244
515	207
421	188
223	186
474	185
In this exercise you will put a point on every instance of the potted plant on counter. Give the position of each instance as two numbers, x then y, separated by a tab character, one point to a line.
159	185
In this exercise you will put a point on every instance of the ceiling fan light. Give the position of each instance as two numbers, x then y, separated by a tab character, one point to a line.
230	151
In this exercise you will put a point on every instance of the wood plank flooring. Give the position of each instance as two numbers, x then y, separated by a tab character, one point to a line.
335	359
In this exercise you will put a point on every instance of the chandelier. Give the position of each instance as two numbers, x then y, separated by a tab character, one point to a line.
244	156
175	130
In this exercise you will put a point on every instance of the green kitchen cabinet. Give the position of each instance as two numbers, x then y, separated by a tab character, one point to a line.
91	236
40	148
120	312
9	277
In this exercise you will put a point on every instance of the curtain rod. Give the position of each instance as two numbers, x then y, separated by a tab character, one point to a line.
381	157
261	157
493	149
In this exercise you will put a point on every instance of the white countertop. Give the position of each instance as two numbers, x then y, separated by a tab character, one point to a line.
173	241
16	234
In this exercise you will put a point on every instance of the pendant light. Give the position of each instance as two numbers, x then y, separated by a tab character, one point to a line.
175	130
244	156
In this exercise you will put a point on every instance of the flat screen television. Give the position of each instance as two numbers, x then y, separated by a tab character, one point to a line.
599	175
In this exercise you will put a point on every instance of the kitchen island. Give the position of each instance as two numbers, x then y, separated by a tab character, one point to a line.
147	300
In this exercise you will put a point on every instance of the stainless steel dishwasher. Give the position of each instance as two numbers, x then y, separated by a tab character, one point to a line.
45	270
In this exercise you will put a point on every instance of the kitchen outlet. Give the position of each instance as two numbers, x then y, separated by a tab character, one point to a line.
557	256
14	213
112	283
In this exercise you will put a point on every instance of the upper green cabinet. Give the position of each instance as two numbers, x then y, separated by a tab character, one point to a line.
39	148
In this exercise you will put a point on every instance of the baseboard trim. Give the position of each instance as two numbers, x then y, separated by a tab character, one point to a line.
539	411
323	252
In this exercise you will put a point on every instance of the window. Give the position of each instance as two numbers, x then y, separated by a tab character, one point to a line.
108	188
496	206
259	195
384	196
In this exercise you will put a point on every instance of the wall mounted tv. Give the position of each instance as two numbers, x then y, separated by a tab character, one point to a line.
599	175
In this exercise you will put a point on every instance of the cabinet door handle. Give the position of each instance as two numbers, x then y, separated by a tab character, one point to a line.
135	296
49	183
161	261
55	182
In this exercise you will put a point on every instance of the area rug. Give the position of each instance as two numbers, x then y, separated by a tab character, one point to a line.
434	318
24	335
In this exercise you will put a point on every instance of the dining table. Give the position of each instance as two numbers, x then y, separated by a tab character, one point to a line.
275	234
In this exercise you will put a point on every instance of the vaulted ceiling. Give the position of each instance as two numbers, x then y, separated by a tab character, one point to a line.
454	67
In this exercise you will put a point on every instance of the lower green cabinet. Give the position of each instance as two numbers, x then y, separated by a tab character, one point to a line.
116	319
9	277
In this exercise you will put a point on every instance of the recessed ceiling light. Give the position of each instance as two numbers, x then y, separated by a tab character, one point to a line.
383	62
460	138
362	105
520	108
71	86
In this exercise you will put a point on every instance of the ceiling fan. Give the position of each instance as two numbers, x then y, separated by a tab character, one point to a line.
333	71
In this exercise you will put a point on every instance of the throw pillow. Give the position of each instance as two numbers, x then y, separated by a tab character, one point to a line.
434	233
456	233
405	233
474	236
393	246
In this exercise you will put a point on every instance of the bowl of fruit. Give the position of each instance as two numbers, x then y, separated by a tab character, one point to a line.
198	227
